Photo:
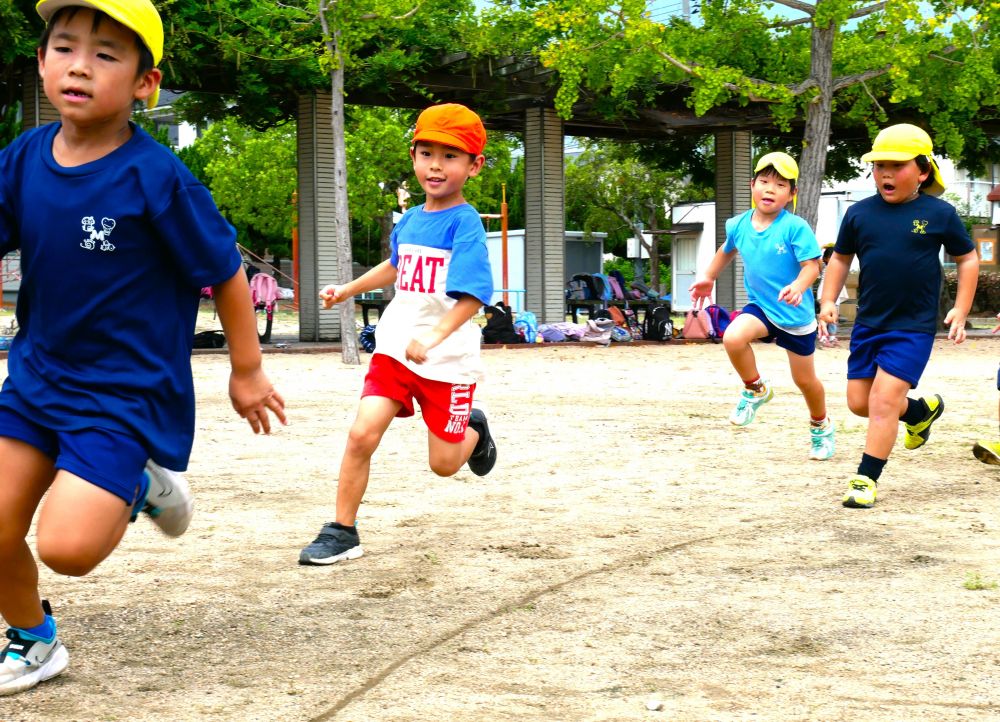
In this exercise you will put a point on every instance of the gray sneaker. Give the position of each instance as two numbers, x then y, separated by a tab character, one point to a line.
333	544
28	659
169	503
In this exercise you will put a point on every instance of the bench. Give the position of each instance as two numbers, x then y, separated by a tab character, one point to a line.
367	304
574	306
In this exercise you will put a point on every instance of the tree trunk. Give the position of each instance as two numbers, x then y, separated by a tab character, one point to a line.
654	254
816	138
385	231
341	219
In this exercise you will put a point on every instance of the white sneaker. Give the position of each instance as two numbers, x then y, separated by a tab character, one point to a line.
822	441
169	503
28	660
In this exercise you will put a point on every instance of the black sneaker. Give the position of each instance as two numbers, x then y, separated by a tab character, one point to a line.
333	544
484	456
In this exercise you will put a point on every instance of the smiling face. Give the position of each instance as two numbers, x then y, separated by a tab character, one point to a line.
898	181
441	171
89	69
771	192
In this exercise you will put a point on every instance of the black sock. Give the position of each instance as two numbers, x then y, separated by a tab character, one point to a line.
338	525
871	467
916	410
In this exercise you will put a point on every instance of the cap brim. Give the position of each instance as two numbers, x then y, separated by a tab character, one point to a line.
874	155
783	170
437	136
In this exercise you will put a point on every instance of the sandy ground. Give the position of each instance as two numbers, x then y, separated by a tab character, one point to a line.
631	548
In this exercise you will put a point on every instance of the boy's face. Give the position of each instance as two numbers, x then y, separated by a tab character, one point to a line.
441	171
897	181
89	74
771	193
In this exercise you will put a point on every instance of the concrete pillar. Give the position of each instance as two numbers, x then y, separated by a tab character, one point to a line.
732	196
545	219
318	263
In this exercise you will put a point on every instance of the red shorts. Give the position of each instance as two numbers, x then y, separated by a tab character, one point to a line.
445	406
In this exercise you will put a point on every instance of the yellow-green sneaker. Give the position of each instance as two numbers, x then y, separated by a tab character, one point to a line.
918	433
987	452
860	492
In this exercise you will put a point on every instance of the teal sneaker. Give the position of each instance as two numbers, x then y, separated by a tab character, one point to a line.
861	492
822	440
746	408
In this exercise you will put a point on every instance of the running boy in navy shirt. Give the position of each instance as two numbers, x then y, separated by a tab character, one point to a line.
897	236
780	261
426	346
116	238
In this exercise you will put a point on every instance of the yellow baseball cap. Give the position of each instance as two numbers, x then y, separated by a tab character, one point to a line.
139	16
904	142
781	162
785	165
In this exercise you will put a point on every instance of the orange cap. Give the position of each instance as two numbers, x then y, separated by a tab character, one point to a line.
452	124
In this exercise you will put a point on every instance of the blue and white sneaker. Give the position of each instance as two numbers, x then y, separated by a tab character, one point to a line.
168	501
28	659
822	441
746	408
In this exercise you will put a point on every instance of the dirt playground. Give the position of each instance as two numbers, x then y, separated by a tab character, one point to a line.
631	550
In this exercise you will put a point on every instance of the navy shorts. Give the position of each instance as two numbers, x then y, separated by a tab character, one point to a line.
804	345
109	459
903	354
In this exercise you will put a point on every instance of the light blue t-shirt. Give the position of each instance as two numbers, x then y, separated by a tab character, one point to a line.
113	256
772	259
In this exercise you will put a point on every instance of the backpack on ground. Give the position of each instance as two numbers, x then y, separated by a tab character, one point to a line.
720	319
658	326
620	334
617	316
527	326
697	324
598	331
632	323
209	339
500	325
366	338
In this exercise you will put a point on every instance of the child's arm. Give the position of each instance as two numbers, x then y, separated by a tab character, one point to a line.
702	288
380	276
249	389
466	308
808	273
833	281
968	278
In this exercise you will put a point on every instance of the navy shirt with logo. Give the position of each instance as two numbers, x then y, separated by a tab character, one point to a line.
113	256
898	247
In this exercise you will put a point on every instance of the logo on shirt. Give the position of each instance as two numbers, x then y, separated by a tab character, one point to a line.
920	227
418	273
90	226
780	248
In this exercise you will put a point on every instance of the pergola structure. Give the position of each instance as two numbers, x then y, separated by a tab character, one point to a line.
515	95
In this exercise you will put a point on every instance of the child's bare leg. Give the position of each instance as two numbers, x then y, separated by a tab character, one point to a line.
375	413
804	375
80	524
886	403
25	474
739	335
446	457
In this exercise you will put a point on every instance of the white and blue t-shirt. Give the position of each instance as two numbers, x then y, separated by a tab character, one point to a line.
439	257
113	256
772	258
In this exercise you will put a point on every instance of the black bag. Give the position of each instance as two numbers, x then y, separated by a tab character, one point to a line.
500	325
590	283
657	326
209	339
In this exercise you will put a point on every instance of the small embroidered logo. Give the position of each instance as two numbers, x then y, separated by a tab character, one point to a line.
920	227
89	224
780	248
